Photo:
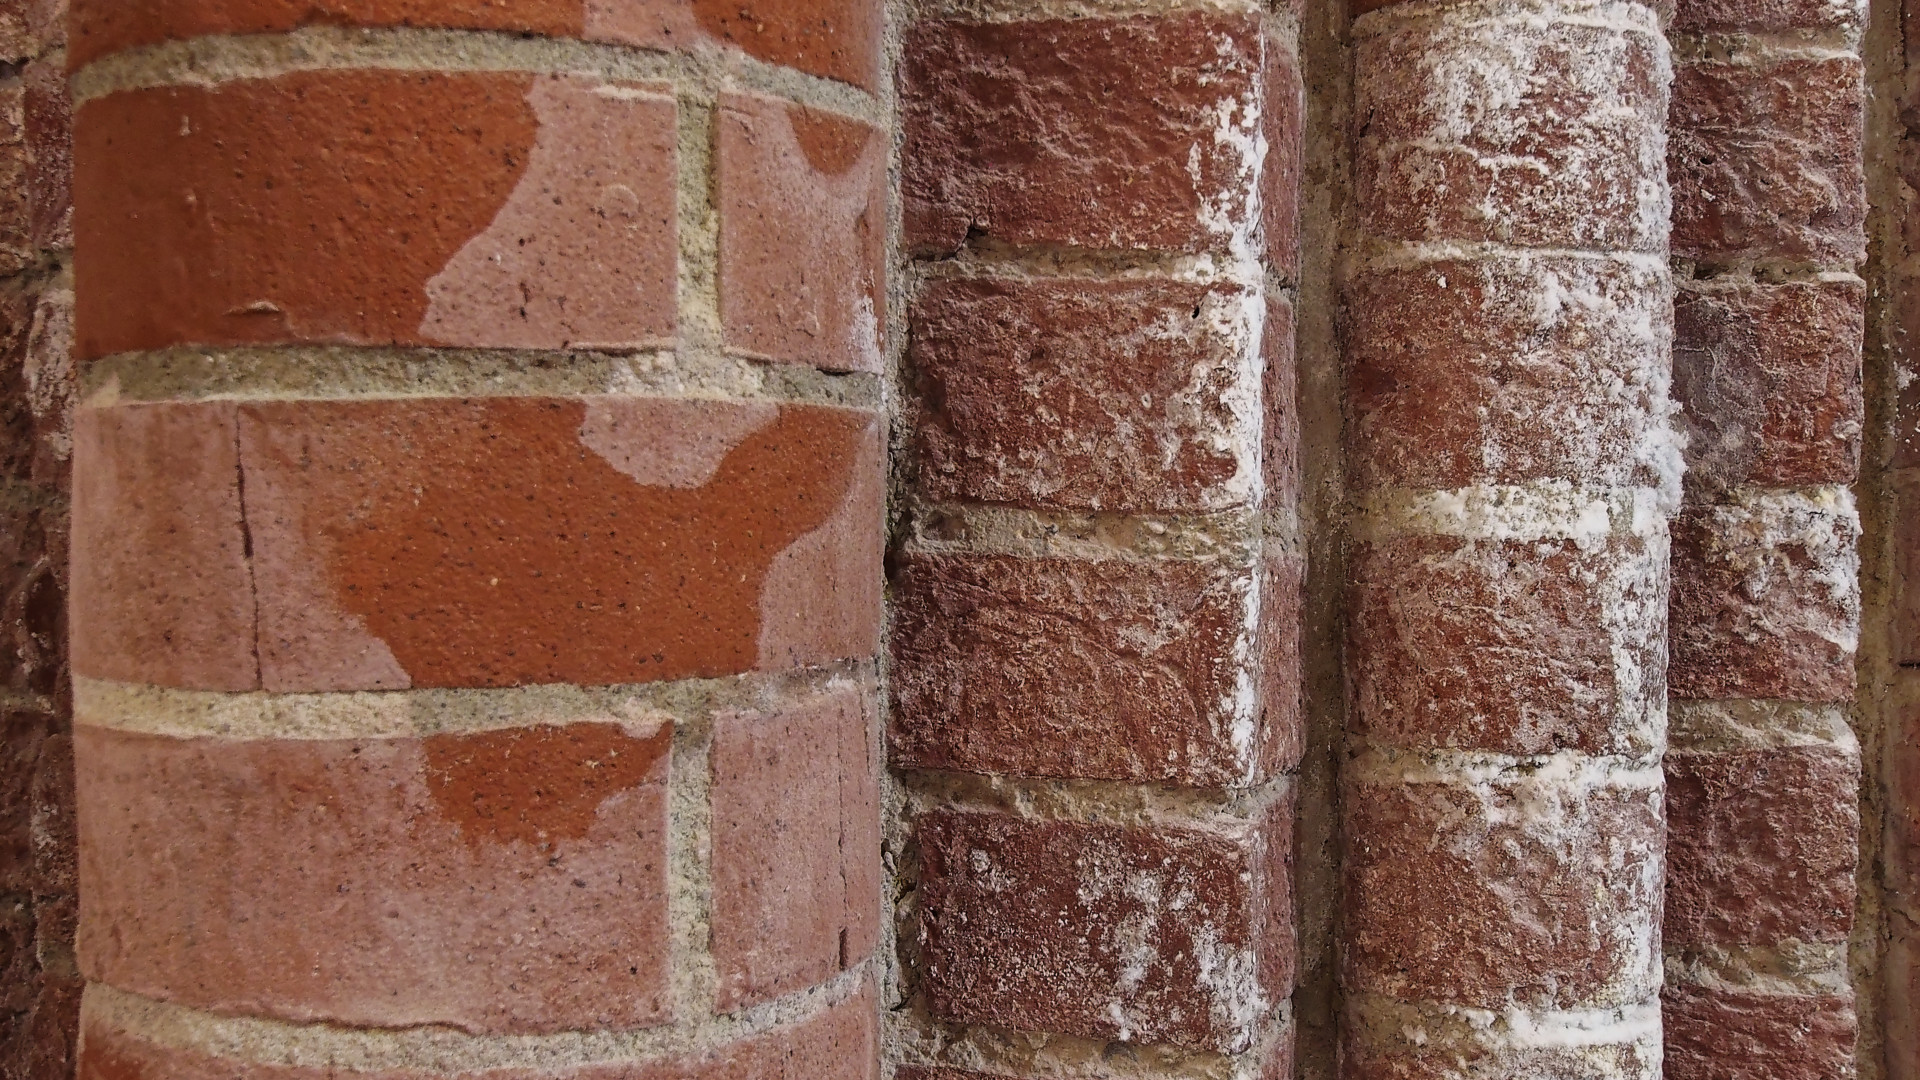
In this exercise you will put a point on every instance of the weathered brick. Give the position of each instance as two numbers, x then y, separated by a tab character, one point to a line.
1280	386
796	845
473	542
504	881
23	737
803	230
1544	136
16	207
1406	1050
474	209
1728	1035
1724	16
838	1043
1176	935
1505	370
1766	598
1092	395
1516	647
49	131
1905	539
1284	120
1768	377
1761	845
1902	989
1766	160
1525	891
1116	669
838	39
1132	133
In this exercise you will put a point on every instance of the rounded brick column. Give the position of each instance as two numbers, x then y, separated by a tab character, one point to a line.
477	532
1508	327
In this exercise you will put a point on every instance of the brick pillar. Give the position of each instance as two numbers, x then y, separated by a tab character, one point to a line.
1095	647
1763	768
1508	334
41	1000
477	530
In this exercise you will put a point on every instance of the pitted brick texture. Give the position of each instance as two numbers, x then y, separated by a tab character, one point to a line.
505	881
836	39
472	542
1112	669
1176	935
1729	1035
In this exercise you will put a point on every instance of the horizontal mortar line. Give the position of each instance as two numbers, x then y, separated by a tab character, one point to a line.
1236	534
1379	254
1104	802
440	1049
335	372
209	61
1380	766
1534	511
914	1038
1430	1023
1747	276
1022	11
1407	15
25	701
397	714
1780	969
1732	725
1746	47
1826	500
991	260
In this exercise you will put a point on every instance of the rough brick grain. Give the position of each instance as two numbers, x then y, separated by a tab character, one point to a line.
484	209
1504	370
838	39
1768	378
16	205
1766	161
1371	1049
1117	395
1114	670
1512	647
1548	136
1724	16
1285	129
510	880
1766	598
796	845
1526	891
1762	845
1281	388
803	229
1103	931
1135	133
838	1043
1726	1035
49	130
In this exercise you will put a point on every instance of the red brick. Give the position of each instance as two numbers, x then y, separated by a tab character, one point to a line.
49	129
796	845
1727	1035
1116	669
1723	16
1281	388
1512	647
1172	935
839	1043
1761	845
1566	155
1768	377
1284	119
1086	395
1506	370
1098	133
162	591
1766	600
1766	161
803	232
37	384
500	881
1529	893
472	209
838	39
16	209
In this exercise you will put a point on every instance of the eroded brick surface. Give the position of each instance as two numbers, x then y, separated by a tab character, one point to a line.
1728	1035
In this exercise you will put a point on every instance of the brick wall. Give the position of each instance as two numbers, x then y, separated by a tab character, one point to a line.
1096	569
477	533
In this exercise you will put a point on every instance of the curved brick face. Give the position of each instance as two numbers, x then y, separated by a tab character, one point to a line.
838	39
1504	370
840	1043
509	880
481	542
1535	893
492	209
1544	137
1518	648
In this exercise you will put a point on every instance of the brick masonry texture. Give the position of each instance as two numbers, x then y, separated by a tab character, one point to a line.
1170	935
1728	1035
836	39
561	540
507	881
